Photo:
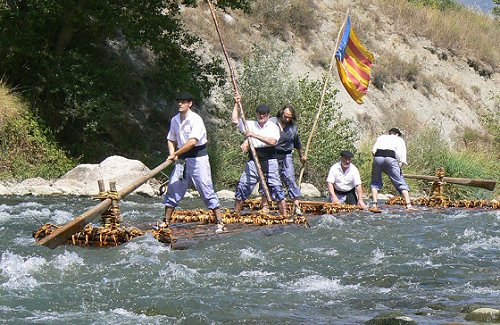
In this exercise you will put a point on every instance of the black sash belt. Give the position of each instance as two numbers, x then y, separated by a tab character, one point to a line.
264	154
195	152
385	153
350	196
345	192
281	154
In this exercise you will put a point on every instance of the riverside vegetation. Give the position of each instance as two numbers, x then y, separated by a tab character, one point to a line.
74	114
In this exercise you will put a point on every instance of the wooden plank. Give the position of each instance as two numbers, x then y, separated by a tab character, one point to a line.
62	234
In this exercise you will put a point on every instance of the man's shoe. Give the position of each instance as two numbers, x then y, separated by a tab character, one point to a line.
297	211
410	207
220	228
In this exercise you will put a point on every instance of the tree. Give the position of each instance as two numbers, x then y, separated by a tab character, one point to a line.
496	8
90	68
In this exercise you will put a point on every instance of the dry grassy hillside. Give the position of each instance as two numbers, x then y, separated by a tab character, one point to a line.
9	104
433	68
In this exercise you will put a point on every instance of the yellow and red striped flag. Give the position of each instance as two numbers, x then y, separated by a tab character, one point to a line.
354	63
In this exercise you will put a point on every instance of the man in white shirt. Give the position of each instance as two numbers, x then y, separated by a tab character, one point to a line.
188	133
389	154
264	136
344	181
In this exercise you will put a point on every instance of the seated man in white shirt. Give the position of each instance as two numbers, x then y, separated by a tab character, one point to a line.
344	181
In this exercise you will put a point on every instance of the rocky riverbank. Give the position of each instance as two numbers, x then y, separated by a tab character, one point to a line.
82	181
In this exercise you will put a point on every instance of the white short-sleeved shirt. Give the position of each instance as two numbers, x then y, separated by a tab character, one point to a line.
343	181
269	130
191	128
391	142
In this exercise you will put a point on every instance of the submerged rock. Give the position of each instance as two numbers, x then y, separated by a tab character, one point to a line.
394	318
471	307
488	315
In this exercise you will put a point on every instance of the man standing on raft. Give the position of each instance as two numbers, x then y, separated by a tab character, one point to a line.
264	135
388	149
187	130
289	139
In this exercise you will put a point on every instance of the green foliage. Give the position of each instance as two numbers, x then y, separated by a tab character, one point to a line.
26	152
491	120
333	132
89	66
427	152
266	79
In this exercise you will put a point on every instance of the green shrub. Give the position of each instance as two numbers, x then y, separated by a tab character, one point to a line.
26	152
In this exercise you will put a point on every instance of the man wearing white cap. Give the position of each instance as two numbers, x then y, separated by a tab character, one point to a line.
344	181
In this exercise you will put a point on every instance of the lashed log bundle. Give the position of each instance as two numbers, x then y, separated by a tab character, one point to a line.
444	203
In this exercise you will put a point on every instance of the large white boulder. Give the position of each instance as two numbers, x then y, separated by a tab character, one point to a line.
119	169
484	315
69	186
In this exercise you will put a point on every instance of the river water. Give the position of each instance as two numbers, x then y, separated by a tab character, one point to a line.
345	269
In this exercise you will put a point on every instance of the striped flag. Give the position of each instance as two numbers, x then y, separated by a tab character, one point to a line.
354	63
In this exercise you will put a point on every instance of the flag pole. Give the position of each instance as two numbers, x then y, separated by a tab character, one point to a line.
240	106
309	140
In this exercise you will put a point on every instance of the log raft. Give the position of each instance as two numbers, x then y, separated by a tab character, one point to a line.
190	227
194	226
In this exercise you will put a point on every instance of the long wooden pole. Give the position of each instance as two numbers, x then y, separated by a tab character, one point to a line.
62	234
240	106
309	140
483	183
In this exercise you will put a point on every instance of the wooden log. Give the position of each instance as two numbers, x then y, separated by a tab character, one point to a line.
62	234
483	183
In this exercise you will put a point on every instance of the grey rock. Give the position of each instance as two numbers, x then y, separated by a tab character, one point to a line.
309	190
226	194
393	318
485	315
